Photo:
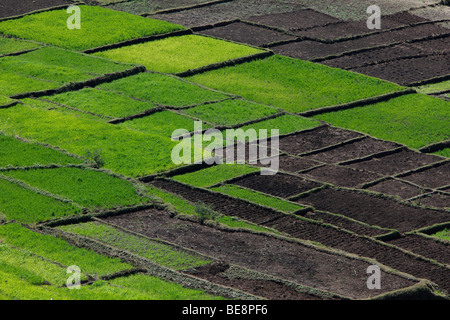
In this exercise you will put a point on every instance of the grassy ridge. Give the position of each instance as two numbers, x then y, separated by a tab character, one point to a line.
99	26
293	85
415	120
11	45
178	54
11	84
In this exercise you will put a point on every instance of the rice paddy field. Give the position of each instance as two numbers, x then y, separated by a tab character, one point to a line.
224	150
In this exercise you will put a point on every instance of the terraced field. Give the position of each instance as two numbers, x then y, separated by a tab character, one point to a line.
315	148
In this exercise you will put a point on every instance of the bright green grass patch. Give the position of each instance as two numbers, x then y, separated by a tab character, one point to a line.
31	268
101	102
11	45
11	84
99	26
444	234
292	84
124	151
178	54
213	175
60	251
16	153
258	198
434	87
89	188
158	252
230	112
163	89
5	101
444	152
26	206
415	120
163	123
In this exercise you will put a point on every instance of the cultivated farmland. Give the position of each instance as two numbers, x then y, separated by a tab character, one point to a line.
94	121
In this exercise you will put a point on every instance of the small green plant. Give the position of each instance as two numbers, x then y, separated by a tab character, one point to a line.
205	212
95	157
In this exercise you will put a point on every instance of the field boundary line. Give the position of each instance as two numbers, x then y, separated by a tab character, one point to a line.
74	109
429	81
358	103
433	147
18	53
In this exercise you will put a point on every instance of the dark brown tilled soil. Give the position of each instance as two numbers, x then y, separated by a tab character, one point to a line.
395	187
373	210
408	71
354	150
429	248
318	138
434	177
401	161
280	185
219	202
245	33
288	163
341	176
10	8
436	199
301	19
291	261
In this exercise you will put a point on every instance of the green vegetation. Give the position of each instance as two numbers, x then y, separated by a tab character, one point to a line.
102	102
26	206
163	89
163	123
99	26
444	234
11	45
89	188
124	151
258	198
158	252
293	85
434	87
444	152
178	54
16	153
60	251
230	112
415	120
4	101
11	84
214	174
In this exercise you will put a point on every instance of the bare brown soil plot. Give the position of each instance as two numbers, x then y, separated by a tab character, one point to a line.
435	199
373	210
396	187
427	247
288	260
246	33
433	177
315	139
10	8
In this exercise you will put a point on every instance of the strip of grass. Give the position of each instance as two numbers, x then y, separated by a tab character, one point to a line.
444	234
293	85
163	123
230	112
101	102
89	188
16	153
99	26
178	54
444	152
415	120
163	89
434	87
258	198
11	84
11	45
155	251
124	151
5	101
60	251
213	175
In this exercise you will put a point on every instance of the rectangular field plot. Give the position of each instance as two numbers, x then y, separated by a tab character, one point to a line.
293	85
434	87
16	153
162	89
12	45
11	84
178	54
140	7
444	152
5	101
124	151
101	102
230	112
434	177
12	8
27	206
89	188
99	27
415	120
154	250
